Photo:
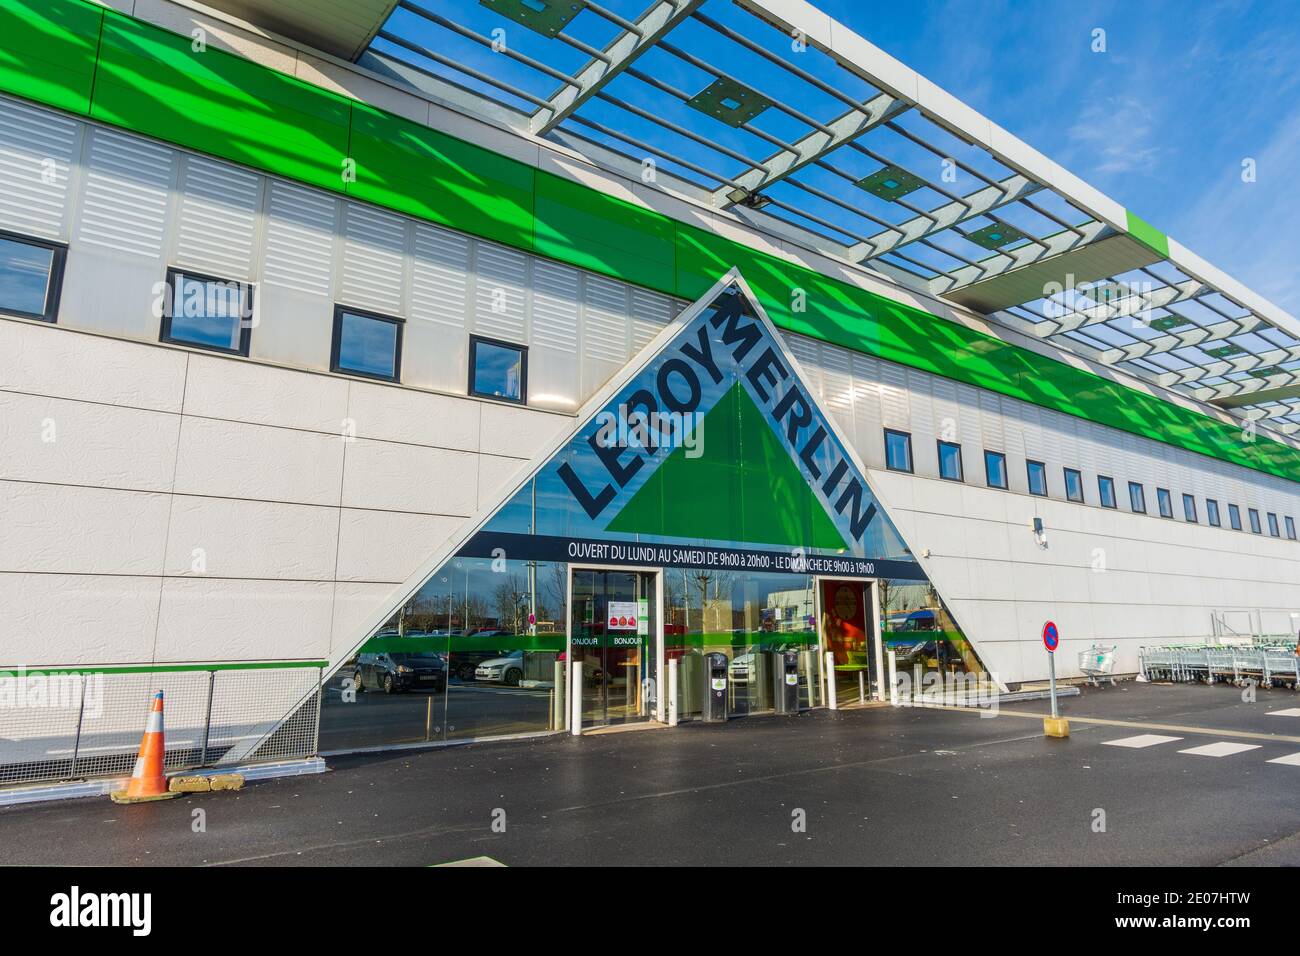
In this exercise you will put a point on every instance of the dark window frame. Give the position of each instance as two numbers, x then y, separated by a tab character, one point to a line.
1289	524
1165	503
1190	514
1006	477
1274	526
474	341
911	458
1256	527
1104	481
1212	514
1067	472
1234	517
165	332
961	465
1029	463
336	343
1137	496
54	284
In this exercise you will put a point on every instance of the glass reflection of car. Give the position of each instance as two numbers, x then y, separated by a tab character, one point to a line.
502	670
465	662
929	653
742	664
396	671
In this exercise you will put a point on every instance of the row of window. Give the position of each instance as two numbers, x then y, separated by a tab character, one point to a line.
898	457
212	313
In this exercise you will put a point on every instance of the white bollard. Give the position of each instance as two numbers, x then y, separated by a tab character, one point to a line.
672	692
831	700
557	701
862	687
575	698
893	679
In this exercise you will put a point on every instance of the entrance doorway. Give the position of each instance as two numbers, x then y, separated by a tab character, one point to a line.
850	633
614	636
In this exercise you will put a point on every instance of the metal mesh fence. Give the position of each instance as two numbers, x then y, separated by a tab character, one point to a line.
61	726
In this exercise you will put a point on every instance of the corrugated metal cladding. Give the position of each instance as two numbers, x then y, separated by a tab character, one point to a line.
117	195
114	195
37	151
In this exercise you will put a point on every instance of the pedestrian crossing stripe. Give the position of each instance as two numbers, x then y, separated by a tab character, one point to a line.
1290	760
1141	740
1289	712
1220	749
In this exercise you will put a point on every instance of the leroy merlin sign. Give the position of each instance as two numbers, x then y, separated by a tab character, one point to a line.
717	438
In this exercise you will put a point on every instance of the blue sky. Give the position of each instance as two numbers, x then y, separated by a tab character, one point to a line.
1161	121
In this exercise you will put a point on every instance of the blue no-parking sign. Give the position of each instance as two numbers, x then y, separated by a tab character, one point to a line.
1051	637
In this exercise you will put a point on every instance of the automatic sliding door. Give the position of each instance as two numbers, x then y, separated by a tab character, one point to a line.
612	628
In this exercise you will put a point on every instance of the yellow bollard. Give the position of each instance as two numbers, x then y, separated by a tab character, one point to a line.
1056	727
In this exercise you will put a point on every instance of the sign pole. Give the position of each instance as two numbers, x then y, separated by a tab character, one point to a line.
1056	725
1051	670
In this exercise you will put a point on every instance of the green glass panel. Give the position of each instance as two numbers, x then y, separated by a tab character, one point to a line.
154	82
591	230
48	51
743	488
420	171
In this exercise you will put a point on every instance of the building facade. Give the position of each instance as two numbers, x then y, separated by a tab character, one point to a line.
304	363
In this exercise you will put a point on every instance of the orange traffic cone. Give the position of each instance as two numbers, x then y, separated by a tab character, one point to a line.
148	782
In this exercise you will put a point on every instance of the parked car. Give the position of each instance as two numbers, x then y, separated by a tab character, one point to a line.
395	671
506	670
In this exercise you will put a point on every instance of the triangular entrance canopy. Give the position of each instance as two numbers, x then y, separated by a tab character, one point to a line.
711	450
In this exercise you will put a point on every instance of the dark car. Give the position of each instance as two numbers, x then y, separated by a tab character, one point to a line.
395	671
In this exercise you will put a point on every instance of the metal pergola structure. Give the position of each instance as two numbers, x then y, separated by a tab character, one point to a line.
773	110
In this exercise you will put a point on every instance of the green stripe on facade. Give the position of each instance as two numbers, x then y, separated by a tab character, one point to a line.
161	668
151	81
1147	234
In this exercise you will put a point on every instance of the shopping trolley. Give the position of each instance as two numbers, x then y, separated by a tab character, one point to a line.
1098	663
1281	663
1194	664
1222	663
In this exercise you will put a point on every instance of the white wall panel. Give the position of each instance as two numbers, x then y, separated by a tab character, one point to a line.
125	193
374	256
37	155
500	292
218	219
301	226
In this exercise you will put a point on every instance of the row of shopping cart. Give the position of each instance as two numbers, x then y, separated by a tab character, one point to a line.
1262	665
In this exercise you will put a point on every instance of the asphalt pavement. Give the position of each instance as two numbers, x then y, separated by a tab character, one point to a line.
869	786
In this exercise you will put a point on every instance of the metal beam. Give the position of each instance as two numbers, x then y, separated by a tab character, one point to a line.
1244	362
1136	303
958	211
811	148
1251	391
653	25
1184	337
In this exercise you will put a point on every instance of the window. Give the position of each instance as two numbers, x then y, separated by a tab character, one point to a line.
1106	489
1137	498
1254	522
1037	478
1272	526
1074	484
31	274
498	370
1189	508
950	461
995	468
366	344
898	450
1234	517
1212	513
1166	502
207	312
1290	528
